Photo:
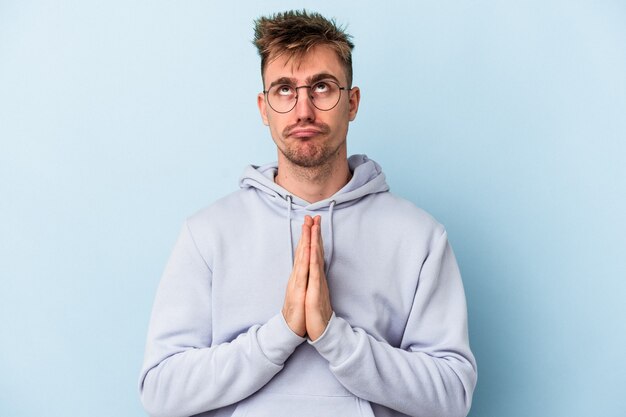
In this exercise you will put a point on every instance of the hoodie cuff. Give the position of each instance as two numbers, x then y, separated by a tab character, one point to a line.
338	341
277	341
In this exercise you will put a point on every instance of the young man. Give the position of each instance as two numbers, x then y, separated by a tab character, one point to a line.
365	316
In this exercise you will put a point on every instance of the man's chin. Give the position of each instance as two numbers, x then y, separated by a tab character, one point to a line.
306	155
307	162
307	159
310	154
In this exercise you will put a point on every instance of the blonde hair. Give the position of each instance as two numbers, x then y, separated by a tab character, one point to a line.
296	32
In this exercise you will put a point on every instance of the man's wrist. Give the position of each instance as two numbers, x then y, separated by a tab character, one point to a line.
276	340
321	335
338	342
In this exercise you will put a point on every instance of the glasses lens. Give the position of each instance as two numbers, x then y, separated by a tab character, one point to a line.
282	97
325	94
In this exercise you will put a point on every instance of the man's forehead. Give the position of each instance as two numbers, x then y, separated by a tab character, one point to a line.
319	60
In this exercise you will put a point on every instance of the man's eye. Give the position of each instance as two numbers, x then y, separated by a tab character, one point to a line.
321	87
284	90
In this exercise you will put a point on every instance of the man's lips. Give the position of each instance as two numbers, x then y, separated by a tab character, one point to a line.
304	132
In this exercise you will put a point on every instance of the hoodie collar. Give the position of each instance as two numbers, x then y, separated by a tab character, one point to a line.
367	178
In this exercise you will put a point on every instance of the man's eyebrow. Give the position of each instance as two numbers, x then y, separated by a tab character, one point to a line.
322	76
310	80
283	80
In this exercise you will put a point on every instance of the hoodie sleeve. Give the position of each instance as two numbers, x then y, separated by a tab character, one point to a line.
433	371
184	373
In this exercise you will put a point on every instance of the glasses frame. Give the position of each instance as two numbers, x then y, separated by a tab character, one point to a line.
266	92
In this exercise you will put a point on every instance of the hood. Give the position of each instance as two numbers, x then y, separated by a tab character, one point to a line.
367	178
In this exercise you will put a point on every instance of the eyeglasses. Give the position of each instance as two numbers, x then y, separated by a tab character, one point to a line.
324	95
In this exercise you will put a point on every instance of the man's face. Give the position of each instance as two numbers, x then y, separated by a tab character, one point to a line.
306	136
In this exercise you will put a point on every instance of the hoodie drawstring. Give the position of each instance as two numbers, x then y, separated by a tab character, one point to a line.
331	243
290	201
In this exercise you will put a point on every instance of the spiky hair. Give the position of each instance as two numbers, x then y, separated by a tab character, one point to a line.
295	32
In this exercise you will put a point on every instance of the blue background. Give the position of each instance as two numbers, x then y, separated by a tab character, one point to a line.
505	120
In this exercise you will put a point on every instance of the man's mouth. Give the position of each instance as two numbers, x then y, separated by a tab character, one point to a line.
304	133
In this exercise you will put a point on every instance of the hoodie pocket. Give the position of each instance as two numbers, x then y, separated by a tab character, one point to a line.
285	405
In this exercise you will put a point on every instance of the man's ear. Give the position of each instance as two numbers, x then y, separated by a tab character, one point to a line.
354	99
260	101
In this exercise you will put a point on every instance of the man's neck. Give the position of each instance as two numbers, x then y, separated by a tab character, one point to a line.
316	183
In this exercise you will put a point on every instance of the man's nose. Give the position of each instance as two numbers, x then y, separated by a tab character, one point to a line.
304	106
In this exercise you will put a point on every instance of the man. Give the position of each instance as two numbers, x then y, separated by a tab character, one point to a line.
365	316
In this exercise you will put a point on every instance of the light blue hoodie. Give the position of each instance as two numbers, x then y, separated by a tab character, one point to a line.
396	345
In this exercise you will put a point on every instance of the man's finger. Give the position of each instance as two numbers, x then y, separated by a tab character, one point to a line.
318	307
302	257
316	262
295	296
305	238
316	240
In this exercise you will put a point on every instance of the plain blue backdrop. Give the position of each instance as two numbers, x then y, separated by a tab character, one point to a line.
505	120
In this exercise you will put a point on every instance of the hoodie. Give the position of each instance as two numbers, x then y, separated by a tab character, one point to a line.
396	344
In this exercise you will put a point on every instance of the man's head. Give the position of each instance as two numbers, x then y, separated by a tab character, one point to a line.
307	101
293	34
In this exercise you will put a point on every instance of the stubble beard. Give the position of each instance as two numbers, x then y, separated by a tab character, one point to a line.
312	162
315	152
310	155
